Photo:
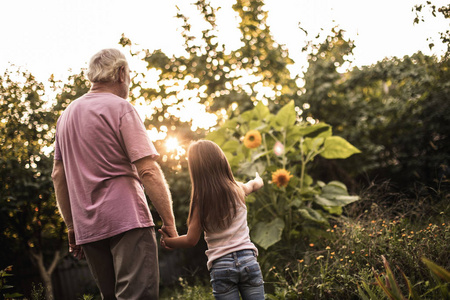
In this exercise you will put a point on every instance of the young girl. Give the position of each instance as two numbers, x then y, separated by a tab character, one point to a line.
218	208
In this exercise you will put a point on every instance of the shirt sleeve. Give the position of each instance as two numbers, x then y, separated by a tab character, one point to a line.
135	138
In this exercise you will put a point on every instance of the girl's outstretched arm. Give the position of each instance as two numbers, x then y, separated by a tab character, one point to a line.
253	185
190	239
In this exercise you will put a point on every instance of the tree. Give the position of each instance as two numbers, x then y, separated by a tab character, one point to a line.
215	77
434	11
209	76
29	220
395	111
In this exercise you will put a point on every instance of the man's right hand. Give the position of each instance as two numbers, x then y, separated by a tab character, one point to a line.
167	231
75	249
170	230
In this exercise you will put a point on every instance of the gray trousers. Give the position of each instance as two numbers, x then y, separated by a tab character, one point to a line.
125	266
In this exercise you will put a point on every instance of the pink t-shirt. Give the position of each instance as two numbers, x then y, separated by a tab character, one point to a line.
98	137
235	238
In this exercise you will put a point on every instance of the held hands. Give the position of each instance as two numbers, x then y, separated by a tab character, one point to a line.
75	249
167	232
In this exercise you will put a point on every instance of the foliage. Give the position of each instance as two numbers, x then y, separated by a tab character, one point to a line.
340	265
396	111
37	292
186	291
29	220
388	283
4	286
74	87
211	78
284	213
210	74
434	11
334	266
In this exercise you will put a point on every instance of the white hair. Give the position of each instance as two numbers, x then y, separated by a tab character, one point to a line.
105	64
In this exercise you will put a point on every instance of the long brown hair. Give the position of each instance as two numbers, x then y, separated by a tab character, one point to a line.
214	190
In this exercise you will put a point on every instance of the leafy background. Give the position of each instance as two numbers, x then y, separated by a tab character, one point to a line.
345	132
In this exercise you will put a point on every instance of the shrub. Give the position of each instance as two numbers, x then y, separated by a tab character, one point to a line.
351	254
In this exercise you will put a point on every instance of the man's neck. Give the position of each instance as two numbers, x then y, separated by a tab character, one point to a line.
106	87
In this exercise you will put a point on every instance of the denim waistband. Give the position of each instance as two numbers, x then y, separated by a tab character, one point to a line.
241	253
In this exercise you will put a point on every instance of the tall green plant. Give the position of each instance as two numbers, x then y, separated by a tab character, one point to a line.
281	149
391	289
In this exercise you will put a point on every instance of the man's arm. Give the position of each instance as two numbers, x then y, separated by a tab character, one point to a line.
190	239
63	201
157	190
62	192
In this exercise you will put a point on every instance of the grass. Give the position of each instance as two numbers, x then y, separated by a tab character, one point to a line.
188	291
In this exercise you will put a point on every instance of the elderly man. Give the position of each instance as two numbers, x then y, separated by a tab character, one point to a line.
103	157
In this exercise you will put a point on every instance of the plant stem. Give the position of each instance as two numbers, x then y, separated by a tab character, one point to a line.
284	152
302	171
265	148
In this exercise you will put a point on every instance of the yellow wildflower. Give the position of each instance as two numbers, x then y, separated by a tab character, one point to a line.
252	139
281	177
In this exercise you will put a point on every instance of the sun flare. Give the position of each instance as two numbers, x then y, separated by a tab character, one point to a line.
172	144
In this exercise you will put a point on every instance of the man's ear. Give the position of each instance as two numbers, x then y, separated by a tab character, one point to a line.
122	74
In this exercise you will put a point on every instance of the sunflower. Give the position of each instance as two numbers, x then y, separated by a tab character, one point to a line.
252	139
281	177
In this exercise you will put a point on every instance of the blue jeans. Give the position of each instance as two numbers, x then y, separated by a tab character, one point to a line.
237	272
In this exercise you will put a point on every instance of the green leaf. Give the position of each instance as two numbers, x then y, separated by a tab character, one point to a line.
294	133
307	181
316	130
335	210
234	160
336	200
286	116
335	187
384	287
437	270
261	111
13	295
230	146
267	234
334	194
368	290
254	124
412	293
217	136
394	288
246	117
250	168
312	215
230	124
258	155
336	147
312	144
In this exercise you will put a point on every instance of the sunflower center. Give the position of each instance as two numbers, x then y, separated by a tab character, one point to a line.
251	138
282	179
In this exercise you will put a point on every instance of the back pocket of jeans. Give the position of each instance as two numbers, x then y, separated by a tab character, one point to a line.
221	280
254	275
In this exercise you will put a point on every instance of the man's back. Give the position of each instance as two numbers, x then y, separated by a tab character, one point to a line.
98	137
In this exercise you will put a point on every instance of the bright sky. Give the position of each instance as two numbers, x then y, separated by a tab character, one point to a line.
52	36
